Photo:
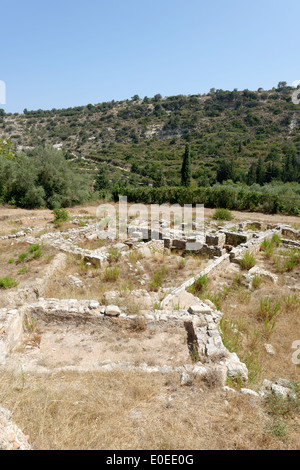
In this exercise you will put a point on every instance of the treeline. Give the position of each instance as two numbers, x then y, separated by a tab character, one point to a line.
278	165
42	178
271	198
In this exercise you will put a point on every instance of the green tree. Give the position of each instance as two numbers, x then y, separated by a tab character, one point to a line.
260	172
225	171
186	174
102	179
6	150
251	175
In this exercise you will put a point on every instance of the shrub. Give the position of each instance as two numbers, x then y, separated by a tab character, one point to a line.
60	215
222	214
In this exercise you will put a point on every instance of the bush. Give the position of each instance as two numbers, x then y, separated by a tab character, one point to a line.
43	179
60	215
222	214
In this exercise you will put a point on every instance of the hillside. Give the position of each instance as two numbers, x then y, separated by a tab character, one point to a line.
143	140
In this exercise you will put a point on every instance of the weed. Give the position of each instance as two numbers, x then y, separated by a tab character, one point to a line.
256	281
138	324
34	248
7	283
30	323
157	279
23	270
248	261
22	257
38	254
199	285
278	428
113	255
268	309
111	274
291	302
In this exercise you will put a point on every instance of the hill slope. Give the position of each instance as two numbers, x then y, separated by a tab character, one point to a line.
143	140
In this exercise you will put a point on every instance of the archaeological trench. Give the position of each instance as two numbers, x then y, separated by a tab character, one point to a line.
175	317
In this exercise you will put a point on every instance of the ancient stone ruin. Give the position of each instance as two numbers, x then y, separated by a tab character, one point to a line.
221	246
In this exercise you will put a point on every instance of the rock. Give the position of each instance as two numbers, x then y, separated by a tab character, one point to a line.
185	379
281	391
269	349
74	281
112	311
283	383
94	304
199	309
199	370
228	389
248	391
236	369
262	273
136	413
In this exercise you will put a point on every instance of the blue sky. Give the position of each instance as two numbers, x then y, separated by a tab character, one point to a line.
69	52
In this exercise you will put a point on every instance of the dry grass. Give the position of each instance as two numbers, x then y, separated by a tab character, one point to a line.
97	281
250	335
134	411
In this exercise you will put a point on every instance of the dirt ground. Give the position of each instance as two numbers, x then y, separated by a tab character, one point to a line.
88	345
10	213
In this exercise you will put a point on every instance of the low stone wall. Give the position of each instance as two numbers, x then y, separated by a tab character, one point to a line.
290	233
35	288
252	245
17	302
219	263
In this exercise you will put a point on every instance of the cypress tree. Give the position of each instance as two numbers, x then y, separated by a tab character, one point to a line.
186	173
251	175
260	172
102	180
